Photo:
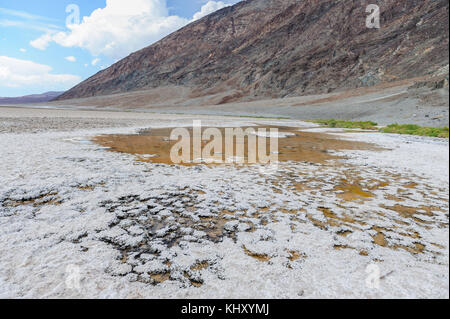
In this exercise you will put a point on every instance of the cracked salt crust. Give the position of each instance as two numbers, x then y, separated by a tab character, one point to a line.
140	230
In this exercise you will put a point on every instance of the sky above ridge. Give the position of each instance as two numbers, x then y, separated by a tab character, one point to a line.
52	45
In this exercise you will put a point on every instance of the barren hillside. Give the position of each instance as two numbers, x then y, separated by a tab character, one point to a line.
277	48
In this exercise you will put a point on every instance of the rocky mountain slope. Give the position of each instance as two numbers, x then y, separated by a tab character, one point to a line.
277	48
34	98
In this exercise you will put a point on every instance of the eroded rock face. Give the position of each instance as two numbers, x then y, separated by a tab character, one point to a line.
278	48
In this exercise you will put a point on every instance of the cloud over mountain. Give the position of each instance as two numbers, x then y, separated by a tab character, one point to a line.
122	27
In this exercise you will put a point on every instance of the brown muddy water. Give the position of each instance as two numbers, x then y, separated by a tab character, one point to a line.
342	216
155	145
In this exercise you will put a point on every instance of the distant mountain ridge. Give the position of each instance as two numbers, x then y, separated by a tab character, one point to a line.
280	48
34	98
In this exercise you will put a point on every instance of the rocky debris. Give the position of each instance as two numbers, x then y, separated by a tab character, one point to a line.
434	84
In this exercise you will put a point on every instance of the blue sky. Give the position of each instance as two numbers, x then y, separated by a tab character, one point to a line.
39	52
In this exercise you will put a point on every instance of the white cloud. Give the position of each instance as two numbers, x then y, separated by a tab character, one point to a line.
42	42
23	73
122	27
71	58
95	61
22	50
25	20
23	14
30	25
208	8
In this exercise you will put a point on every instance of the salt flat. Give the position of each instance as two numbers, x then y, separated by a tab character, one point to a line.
125	228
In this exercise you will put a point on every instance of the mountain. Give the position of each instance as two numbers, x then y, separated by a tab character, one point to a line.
35	98
277	48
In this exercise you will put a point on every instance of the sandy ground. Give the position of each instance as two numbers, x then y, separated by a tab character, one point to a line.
78	220
398	102
394	105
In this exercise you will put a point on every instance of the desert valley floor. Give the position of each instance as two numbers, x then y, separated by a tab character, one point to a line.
130	228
